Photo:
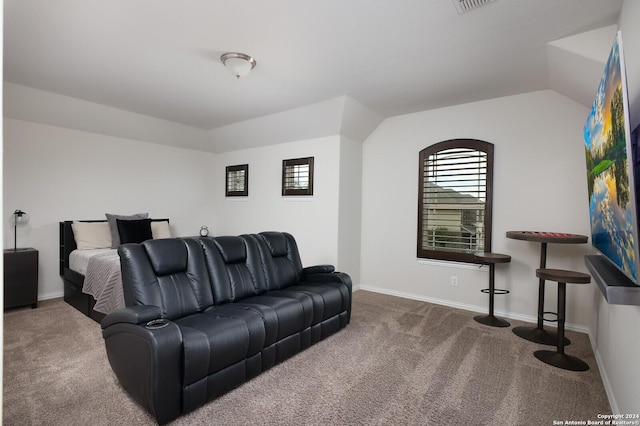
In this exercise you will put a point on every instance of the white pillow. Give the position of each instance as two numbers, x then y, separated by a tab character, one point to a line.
160	229
91	235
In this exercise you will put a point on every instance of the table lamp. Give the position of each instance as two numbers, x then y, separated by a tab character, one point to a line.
18	218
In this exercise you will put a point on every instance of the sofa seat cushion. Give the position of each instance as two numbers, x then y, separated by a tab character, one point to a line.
335	295
312	303
263	333
287	314
312	309
211	343
331	297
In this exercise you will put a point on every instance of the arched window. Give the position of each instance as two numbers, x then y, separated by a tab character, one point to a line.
454	200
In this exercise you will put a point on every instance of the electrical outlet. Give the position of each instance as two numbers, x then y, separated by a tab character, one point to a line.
454	280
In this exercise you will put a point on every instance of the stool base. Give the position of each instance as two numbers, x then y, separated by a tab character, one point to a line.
539	335
564	361
491	320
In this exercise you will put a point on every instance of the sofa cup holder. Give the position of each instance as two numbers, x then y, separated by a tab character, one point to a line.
156	324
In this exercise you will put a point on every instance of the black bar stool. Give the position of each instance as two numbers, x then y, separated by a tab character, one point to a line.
491	259
558	358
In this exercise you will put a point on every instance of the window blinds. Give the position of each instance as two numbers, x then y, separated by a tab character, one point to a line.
454	191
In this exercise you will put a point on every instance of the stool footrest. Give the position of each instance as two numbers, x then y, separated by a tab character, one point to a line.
495	291
550	313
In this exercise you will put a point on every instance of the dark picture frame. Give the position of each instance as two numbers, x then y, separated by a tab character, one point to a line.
297	176
237	181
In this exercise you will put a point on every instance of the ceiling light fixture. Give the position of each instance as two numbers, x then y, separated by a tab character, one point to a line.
239	64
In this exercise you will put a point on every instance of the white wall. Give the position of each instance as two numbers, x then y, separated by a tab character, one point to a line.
539	184
313	221
350	208
57	174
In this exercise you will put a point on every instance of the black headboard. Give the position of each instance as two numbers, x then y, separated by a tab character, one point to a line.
68	241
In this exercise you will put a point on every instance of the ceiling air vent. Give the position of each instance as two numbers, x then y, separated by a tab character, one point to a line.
463	6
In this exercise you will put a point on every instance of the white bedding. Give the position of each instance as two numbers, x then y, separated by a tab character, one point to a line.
79	259
102	277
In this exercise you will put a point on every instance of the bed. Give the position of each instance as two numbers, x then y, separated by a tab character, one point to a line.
91	275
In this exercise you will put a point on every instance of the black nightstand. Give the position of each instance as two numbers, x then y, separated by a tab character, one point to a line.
20	278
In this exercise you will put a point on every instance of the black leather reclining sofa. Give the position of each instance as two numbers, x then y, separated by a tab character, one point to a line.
204	316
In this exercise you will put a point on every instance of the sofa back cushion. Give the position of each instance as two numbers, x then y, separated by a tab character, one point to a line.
234	268
167	257
280	257
168	273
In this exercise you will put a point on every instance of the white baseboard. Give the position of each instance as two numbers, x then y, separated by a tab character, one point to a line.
603	375
510	315
47	296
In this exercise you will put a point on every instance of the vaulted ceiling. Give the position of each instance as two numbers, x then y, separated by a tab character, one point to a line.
160	58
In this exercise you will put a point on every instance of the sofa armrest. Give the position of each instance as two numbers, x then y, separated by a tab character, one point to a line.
147	359
132	315
318	269
325	277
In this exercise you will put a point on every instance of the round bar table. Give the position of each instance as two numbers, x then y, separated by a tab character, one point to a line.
538	334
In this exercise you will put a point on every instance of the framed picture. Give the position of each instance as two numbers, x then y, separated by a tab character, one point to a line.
610	175
297	176
237	181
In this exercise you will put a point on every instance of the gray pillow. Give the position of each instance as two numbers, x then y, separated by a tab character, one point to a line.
113	225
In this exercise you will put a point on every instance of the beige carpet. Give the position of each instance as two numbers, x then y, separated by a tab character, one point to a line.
399	362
